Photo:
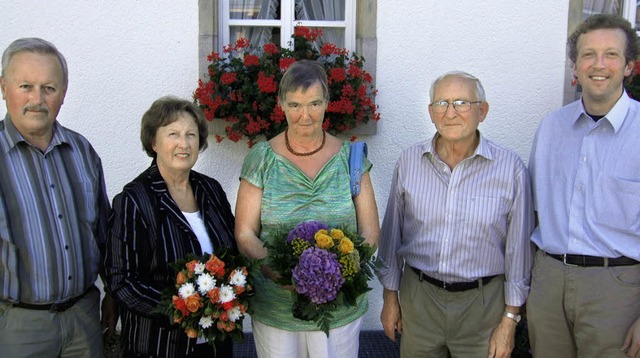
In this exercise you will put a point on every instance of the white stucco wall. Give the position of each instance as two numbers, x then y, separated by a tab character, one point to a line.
123	55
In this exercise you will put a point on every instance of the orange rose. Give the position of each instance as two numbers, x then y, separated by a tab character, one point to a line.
191	333
177	319
214	295
181	279
193	302
238	290
221	325
191	265
230	326
215	266
224	316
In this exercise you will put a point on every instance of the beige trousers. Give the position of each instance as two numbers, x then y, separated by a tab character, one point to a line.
435	320
581	311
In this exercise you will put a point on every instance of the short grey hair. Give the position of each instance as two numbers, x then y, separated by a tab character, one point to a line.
480	95
34	45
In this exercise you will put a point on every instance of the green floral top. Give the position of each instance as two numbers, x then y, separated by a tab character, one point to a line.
289	198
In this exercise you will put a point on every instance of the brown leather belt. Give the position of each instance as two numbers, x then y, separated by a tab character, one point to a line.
55	307
452	286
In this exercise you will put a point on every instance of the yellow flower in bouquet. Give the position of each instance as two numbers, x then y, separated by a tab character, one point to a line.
323	240
345	246
328	267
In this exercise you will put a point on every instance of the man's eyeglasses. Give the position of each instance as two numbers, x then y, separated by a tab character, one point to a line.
460	106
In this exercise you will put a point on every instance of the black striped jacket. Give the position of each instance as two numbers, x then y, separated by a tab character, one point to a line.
147	231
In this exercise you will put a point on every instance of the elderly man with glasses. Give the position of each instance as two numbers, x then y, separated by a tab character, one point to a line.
454	246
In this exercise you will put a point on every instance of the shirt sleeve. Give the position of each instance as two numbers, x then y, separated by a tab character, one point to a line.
519	249
253	166
128	257
390	264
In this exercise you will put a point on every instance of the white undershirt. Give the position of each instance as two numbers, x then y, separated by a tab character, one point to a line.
197	225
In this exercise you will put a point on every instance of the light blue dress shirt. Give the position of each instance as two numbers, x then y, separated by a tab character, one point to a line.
586	180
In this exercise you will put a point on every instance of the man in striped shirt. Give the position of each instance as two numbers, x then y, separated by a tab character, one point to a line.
454	241
53	214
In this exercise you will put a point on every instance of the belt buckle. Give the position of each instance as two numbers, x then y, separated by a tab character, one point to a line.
564	261
444	285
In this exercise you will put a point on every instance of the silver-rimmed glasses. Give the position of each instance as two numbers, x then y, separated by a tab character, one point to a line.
460	106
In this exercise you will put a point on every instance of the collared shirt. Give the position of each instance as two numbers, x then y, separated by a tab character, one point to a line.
586	180
462	224
53	216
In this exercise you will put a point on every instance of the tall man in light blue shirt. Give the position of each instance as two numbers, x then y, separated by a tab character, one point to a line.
454	241
585	171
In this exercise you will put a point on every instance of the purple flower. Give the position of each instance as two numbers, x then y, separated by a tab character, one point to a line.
318	275
306	231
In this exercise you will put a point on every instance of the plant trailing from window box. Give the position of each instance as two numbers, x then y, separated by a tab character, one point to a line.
632	83
243	86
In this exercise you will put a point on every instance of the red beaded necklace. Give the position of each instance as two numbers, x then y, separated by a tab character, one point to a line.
286	142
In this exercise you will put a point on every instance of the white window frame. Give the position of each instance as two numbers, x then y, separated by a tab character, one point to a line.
286	23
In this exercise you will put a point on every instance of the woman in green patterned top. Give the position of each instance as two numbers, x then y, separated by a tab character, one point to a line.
301	174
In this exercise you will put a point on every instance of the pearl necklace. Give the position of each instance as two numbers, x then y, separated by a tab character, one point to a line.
286	142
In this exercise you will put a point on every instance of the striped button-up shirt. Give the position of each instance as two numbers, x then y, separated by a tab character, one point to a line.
53	216
462	224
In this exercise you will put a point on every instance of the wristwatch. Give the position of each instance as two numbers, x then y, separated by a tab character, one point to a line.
513	316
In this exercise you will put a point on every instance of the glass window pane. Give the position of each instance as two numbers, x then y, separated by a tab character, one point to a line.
258	36
591	7
333	35
254	9
327	10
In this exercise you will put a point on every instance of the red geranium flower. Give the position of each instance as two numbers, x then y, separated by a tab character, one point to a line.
242	86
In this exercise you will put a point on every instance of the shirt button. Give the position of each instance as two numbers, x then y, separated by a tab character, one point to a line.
59	216
52	186
66	247
69	277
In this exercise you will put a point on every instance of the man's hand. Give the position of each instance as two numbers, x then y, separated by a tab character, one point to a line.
631	345
391	316
109	317
503	339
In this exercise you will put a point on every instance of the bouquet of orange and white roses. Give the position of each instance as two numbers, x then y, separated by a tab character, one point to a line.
210	297
328	267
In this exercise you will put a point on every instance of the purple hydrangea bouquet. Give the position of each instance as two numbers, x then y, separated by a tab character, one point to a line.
328	267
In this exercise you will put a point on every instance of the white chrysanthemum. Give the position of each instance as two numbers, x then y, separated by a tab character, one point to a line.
186	290
205	283
234	314
226	294
205	322
199	268
238	278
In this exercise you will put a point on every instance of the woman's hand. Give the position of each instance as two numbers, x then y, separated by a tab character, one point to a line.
274	276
